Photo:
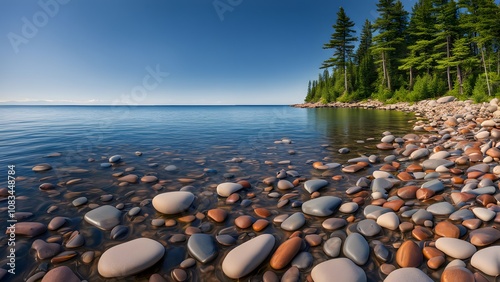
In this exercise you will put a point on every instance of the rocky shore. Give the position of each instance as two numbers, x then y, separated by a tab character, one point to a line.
423	207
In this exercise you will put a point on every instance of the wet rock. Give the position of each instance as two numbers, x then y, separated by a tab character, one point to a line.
322	206
409	255
314	185
45	250
342	269
117	261
408	274
104	217
356	248
202	247
285	253
228	188
243	259
173	202
61	273
293	222
487	260
455	248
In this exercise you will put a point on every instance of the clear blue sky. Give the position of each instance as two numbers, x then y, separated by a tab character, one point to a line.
94	51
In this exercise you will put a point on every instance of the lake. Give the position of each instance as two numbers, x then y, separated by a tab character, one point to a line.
207	145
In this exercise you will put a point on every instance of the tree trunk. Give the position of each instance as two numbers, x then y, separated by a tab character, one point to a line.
345	79
485	71
411	78
448	72
459	77
384	71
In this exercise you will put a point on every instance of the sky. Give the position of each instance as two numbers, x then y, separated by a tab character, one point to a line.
162	52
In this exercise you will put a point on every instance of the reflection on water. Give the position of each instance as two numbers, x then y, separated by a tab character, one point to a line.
344	126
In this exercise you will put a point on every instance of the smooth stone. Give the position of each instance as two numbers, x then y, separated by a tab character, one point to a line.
171	168
41	167
118	231
455	248
76	240
334	223
179	275
349	207
218	215
373	212
60	273
433	164
79	201
332	247
244	221
88	257
228	188
439	155
447	229
134	211
285	253
381	185
388	220
457	273
322	206
243	259
115	159
149	179
202	247
106	165
29	229
118	261
339	269
293	222
130	178
302	260
419	153
225	240
381	252
484	236
435	185
284	184
356	248
314	185
368	227
57	222
487	260
270	276
420	216
408	274
409	255
484	214
104	217
45	250
461	215
443	208
173	202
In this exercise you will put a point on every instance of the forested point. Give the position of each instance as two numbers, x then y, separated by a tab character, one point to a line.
441	48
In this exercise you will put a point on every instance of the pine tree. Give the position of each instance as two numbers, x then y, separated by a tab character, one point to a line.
446	13
342	42
366	70
421	34
389	43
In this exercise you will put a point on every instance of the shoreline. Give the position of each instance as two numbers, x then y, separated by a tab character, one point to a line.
430	109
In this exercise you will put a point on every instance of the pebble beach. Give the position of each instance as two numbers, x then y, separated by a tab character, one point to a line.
422	206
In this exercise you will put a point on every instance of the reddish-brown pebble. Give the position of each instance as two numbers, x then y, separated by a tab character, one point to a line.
486	199
394	205
424	193
244	183
457	273
447	229
378	202
484	236
405	226
430	252
409	255
414	168
435	262
313	240
262	212
170	222
472	223
260	225
388	168
337	177
233	198
285	253
187	218
421	233
190	230
243	221
408	192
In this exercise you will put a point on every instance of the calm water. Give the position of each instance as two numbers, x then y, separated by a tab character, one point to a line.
193	139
